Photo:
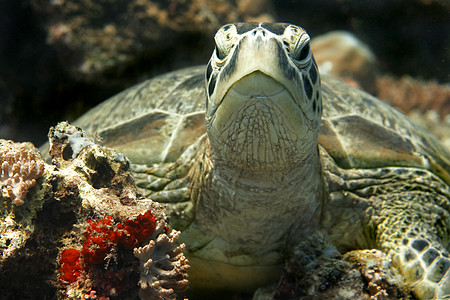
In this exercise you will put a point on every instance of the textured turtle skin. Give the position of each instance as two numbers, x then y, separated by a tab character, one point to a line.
386	180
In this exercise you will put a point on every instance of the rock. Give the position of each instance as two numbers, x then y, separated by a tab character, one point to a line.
316	270
407	36
94	38
74	234
342	55
425	102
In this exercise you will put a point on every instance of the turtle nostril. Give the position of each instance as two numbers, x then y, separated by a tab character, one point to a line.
260	31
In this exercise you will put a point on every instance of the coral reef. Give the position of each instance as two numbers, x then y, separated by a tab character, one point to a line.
21	165
163	266
410	94
101	239
315	270
120	32
90	267
107	235
381	281
425	102
74	235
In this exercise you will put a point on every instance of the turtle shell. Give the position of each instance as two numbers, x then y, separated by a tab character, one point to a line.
155	121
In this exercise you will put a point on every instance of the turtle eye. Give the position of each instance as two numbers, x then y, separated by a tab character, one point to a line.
225	39
222	48
296	41
303	54
220	54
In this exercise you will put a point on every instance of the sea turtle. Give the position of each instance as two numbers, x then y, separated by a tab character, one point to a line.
276	153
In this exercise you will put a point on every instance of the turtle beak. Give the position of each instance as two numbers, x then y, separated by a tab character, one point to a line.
254	53
259	51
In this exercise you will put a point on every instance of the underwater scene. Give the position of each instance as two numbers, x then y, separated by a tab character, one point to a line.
246	149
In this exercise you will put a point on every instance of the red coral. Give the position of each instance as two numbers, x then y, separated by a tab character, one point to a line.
71	267
101	236
139	230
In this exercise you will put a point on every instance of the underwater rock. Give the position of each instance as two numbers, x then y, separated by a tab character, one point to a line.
75	233
425	102
342	55
381	281
316	270
21	165
407	36
94	37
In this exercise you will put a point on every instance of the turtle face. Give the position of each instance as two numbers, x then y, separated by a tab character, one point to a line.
263	92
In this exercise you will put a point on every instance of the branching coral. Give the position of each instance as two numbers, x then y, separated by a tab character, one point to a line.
163	266
21	165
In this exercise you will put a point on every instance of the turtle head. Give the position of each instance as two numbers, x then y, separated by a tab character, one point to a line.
263	105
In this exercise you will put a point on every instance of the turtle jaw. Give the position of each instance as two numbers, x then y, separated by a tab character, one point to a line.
253	92
258	126
258	95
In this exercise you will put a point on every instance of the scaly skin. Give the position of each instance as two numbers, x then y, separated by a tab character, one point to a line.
402	211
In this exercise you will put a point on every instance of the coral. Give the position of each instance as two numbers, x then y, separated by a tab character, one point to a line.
314	270
71	267
408	94
139	230
381	281
21	166
85	214
22	197
101	237
163	266
81	288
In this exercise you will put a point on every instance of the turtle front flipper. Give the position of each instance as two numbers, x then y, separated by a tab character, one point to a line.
402	211
412	226
423	262
169	183
413	230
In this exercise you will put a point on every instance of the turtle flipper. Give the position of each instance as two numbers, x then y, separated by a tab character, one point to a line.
426	265
403	211
413	228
